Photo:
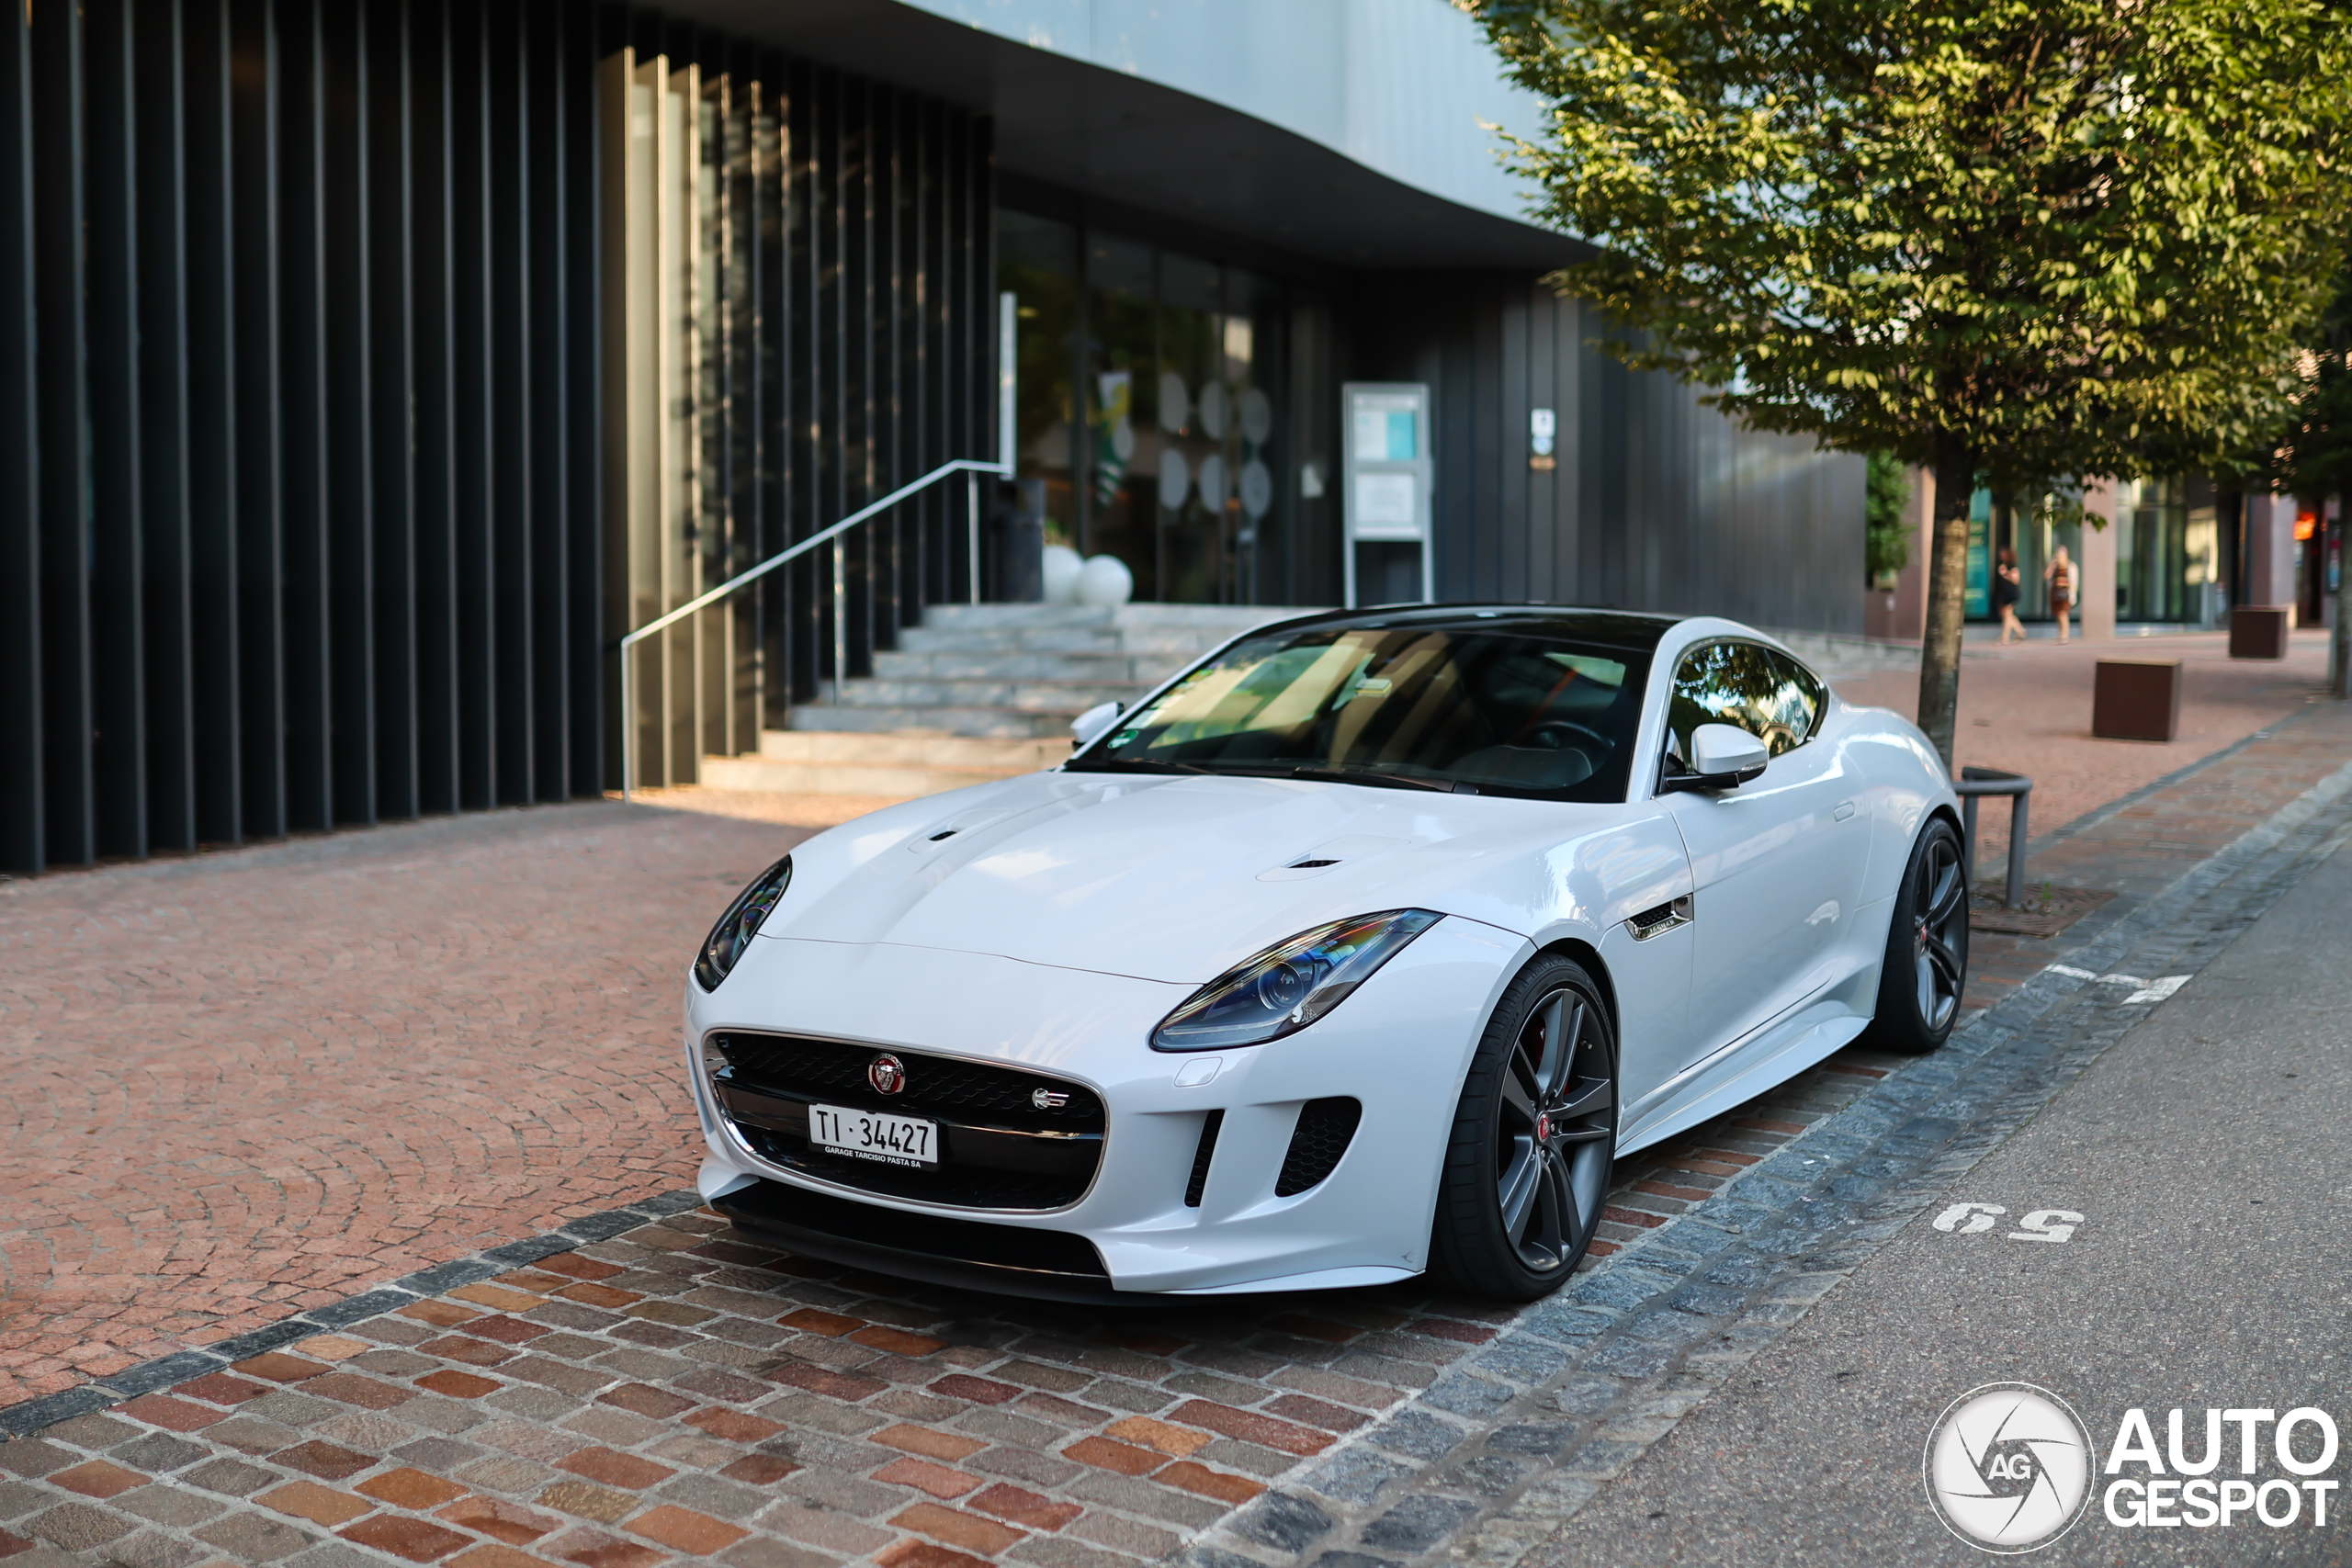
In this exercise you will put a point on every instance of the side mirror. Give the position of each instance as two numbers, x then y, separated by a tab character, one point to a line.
1094	724
1723	756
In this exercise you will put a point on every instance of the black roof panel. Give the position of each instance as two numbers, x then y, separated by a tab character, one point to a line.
1629	629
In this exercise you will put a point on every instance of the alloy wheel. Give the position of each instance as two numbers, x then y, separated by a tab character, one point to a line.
1939	915
1557	1123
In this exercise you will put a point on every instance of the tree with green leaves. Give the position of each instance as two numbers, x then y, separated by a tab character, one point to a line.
2014	241
1886	536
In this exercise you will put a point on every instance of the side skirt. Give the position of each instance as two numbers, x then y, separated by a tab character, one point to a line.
1733	1077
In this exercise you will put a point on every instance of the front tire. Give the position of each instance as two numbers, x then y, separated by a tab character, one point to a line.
1926	972
1535	1136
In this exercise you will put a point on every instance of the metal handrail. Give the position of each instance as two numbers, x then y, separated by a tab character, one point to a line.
972	467
1974	783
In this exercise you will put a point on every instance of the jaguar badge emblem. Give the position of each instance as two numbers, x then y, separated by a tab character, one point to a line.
886	1074
1047	1099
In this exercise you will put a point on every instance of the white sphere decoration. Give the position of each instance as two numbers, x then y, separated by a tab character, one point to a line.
1212	482
1062	567
1105	580
1257	417
1257	489
1175	478
1212	410
1175	403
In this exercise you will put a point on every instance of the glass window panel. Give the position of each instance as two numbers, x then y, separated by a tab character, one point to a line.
1154	401
1037	263
1122	401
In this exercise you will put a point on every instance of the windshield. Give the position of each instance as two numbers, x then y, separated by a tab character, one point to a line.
1493	710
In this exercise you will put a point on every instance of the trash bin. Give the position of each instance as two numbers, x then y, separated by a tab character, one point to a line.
1017	544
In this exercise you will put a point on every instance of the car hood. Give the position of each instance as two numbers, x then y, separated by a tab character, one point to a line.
1168	878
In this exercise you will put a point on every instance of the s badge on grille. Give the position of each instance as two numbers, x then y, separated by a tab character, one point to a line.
1047	1099
886	1074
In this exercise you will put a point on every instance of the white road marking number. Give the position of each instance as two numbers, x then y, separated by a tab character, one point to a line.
2055	1226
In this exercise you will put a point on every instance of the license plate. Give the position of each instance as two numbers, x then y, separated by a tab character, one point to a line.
871	1135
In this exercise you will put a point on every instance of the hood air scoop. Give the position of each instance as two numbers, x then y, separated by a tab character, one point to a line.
1338	851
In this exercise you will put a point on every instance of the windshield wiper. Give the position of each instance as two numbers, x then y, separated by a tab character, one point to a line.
1249	771
1128	765
1372	776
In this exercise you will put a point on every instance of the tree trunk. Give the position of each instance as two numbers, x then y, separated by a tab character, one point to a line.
1947	600
2339	641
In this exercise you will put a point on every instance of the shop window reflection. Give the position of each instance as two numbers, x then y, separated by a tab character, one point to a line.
1176	460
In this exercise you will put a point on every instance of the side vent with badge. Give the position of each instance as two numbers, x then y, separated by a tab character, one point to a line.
1660	921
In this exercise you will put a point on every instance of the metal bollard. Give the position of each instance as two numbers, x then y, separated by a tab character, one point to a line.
1971	786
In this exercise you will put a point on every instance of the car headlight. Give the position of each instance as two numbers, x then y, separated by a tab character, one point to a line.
1289	985
732	934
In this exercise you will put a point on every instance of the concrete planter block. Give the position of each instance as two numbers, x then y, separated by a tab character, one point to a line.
2136	699
2258	631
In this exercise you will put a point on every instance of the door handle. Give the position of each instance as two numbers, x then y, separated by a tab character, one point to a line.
1845	809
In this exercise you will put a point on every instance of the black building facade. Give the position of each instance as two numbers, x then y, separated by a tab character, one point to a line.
362	382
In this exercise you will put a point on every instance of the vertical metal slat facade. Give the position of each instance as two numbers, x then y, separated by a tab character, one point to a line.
766	279
324	459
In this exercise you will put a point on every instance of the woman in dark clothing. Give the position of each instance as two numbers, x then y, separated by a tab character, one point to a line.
2004	596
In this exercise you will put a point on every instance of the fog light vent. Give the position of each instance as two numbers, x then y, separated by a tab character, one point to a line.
1325	1129
1199	1180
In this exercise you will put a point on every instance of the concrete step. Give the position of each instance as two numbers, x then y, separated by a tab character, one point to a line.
1175	642
1231	617
841	778
911	748
995	723
1001	639
984	690
998	664
1024	696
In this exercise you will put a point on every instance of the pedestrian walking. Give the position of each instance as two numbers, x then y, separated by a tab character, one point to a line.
2006	583
2061	573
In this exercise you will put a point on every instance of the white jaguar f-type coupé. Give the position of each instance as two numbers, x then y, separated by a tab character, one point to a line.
1357	951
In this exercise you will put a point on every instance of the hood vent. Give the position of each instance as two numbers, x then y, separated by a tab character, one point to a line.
963	822
1338	851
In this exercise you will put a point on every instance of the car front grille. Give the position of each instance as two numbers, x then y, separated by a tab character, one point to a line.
998	1147
944	1087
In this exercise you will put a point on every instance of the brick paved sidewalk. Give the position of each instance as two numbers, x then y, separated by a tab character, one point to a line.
248	1084
2137	846
2028	709
676	1391
355	999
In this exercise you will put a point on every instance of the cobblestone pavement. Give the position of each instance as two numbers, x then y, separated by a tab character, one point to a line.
645	1387
2139	844
639	1385
247	1084
673	1391
2028	709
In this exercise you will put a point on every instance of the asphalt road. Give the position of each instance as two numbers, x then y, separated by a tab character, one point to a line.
2210	1156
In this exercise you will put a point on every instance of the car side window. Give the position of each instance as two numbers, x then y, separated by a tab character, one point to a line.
1760	690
